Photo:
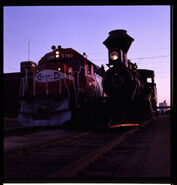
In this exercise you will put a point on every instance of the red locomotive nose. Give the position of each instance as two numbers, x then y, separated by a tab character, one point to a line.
117	81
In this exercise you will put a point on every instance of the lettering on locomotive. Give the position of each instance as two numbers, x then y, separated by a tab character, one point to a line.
49	76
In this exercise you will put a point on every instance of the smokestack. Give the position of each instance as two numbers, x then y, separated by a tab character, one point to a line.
118	39
118	44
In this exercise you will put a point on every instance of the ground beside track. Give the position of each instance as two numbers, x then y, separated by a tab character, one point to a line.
145	154
13	142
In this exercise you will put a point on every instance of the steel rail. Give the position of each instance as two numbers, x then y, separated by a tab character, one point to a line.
72	169
32	147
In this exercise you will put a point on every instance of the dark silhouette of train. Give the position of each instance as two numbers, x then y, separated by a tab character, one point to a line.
132	91
65	86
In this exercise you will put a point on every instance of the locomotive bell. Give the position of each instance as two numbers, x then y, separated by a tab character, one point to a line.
118	44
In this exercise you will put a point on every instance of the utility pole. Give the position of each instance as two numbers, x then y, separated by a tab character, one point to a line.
28	49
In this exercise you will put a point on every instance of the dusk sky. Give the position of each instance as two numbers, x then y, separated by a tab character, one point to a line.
84	28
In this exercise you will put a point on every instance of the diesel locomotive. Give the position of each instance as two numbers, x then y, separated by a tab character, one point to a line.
62	81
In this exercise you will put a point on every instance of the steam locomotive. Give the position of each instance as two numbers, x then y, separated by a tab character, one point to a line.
64	81
132	92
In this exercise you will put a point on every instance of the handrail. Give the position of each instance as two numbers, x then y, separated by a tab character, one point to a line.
59	86
66	88
22	87
75	90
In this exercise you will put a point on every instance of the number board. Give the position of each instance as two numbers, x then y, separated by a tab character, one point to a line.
67	55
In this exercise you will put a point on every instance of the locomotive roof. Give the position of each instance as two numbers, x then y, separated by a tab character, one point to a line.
29	62
146	72
63	51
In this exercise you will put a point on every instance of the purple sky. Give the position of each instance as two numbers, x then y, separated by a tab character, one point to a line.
84	28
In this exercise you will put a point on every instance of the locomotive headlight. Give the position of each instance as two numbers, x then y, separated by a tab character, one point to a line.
114	55
57	54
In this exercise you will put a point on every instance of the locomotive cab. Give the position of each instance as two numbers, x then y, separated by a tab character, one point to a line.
27	65
147	79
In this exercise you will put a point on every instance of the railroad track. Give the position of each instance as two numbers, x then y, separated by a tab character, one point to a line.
63	158
27	148
22	131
